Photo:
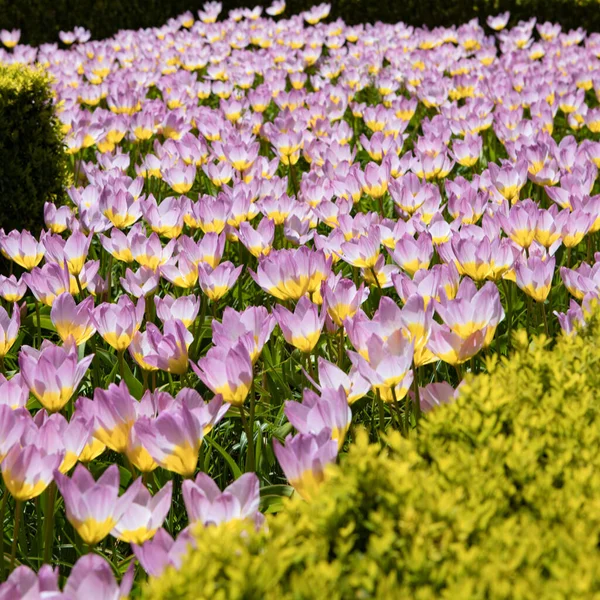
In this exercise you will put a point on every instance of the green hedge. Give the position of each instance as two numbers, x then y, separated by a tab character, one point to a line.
41	20
498	497
32	157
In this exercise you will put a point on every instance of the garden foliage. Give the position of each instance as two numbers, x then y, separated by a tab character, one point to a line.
32	157
497	496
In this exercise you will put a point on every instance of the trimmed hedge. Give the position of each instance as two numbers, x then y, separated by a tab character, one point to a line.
498	497
33	163
41	20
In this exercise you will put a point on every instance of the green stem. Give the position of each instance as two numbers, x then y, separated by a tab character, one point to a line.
49	523
121	355
18	514
249	440
5	496
39	323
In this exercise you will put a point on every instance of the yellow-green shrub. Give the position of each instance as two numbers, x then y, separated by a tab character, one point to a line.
498	496
32	156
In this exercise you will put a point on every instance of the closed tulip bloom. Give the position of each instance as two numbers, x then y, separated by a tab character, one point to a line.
303	459
57	218
166	218
180	271
166	351
472	310
180	178
184	308
12	289
521	223
92	577
52	373
9	329
114	413
208	414
413	255
301	328
149	252
94	507
342	299
75	251
13	424
206	504
142	283
285	274
163	551
436	394
22	248
227	371
144	516
257	241
315	413
534	276
374	180
388	367
119	244
120	207
14	392
73	320
253	327
452	348
48	282
28	470
509	179
215	283
26	584
172	439
331	377
118	323
364	252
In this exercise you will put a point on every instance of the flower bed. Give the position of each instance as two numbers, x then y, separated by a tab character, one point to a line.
281	231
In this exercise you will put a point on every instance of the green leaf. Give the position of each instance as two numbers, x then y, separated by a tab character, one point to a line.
235	470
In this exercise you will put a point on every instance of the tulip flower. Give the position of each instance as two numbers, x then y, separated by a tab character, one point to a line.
206	504
316	413
13	424
227	371
285	274
215	283
184	309
303	459
52	373
73	320
28	470
12	289
162	551
114	413
167	352
342	299
22	248
92	577
9	329
302	328
118	323
253	327
331	378
144	516
14	392
534	276
94	507
172	439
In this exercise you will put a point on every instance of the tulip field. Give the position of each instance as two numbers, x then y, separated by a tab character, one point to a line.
279	229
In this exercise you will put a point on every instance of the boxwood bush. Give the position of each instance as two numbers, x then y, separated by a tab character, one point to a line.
32	158
497	497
